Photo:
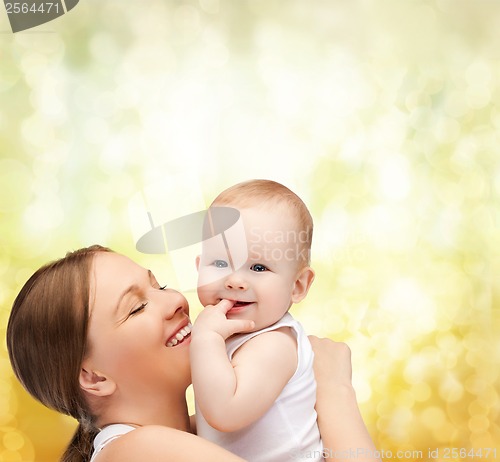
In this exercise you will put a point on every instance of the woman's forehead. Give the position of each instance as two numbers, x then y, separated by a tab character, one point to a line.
111	273
111	265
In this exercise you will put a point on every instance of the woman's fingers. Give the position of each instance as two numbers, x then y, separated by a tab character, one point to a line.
332	360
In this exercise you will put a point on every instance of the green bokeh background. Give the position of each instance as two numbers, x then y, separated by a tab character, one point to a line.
383	116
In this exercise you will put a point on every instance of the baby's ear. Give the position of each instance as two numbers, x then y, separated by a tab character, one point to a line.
302	283
96	383
197	261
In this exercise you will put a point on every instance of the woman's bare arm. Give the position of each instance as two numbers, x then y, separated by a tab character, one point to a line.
342	429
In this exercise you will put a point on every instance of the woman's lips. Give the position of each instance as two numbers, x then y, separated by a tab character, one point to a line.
180	336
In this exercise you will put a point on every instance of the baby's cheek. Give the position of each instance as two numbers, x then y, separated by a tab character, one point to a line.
203	295
281	297
209	278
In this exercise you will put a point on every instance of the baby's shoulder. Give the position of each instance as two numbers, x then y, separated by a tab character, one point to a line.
278	341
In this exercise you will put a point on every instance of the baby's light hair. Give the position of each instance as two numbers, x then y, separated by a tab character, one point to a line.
268	194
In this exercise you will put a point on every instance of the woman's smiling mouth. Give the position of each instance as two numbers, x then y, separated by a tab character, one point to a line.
180	336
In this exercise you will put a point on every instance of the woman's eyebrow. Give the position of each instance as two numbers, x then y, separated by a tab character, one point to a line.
132	288
151	276
128	290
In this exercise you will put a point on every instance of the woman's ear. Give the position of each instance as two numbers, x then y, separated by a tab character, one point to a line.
302	283
96	383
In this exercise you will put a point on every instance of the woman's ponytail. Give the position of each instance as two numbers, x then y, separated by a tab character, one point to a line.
81	446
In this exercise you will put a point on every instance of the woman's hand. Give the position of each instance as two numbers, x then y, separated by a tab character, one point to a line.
332	363
340	423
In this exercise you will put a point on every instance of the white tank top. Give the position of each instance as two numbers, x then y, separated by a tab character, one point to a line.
288	430
108	434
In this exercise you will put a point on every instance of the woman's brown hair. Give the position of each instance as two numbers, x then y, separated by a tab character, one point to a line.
47	340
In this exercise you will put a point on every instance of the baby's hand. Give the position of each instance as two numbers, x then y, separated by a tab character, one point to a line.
213	320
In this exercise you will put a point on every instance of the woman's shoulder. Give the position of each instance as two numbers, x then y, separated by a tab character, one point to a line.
144	442
159	443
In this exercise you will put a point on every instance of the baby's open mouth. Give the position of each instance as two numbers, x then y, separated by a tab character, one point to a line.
239	304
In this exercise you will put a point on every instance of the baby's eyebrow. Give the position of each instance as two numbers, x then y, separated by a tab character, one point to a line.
254	255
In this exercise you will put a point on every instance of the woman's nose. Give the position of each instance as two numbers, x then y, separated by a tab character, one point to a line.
171	302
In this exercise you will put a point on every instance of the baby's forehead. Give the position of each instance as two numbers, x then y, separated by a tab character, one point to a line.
255	209
249	222
276	236
257	244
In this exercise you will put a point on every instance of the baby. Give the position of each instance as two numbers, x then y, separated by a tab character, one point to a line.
255	391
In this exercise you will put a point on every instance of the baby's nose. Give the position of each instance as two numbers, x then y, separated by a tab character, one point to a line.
235	283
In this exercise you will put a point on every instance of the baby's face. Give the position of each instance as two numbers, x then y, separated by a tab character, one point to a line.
257	269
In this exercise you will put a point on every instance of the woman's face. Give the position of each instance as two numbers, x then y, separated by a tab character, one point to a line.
132	319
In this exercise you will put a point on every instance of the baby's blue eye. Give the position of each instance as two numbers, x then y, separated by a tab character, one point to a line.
220	263
258	267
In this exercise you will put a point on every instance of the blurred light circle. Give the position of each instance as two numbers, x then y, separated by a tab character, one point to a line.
433	417
15	179
479	423
16	446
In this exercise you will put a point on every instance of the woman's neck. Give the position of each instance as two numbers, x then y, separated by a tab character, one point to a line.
148	409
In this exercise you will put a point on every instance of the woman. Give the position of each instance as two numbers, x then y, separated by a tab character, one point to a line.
92	336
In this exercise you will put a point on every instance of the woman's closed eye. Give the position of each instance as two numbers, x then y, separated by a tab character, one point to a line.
259	268
139	308
143	305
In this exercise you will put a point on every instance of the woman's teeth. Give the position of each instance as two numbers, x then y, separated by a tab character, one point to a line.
180	336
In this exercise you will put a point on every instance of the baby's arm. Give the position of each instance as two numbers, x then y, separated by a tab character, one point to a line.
231	395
